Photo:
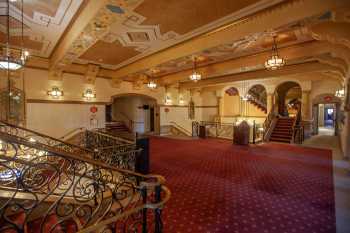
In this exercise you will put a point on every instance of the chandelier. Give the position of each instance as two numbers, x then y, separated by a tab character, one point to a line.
275	61
55	92
152	85
13	55
340	93
89	94
195	76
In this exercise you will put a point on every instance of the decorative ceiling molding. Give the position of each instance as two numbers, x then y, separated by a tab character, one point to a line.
91	73
274	18
133	31
299	51
84	31
139	82
43	26
261	74
334	32
56	74
339	64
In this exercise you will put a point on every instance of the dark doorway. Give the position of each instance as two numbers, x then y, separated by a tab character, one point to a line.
108	113
151	112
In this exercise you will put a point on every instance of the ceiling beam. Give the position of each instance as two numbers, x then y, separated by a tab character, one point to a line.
260	74
87	14
272	18
313	48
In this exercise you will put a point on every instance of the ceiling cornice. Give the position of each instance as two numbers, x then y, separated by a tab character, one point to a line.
260	74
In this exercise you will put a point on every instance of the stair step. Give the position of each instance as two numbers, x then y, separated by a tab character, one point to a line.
278	140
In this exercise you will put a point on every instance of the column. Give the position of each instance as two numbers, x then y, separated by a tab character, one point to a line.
269	102
305	105
345	134
220	105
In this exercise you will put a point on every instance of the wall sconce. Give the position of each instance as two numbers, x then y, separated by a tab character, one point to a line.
181	100
168	100
55	92
340	93
89	94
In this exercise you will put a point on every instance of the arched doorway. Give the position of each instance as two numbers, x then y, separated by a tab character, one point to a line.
257	96
231	103
140	113
326	112
288	98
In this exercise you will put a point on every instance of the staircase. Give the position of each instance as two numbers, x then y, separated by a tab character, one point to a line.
48	185
257	104
283	130
117	126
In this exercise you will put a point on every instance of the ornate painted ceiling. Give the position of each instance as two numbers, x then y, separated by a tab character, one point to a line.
45	22
287	35
143	27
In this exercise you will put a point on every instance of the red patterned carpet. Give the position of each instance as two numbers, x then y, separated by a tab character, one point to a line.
218	187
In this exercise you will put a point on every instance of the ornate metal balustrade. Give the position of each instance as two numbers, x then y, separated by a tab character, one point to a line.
50	189
34	136
93	144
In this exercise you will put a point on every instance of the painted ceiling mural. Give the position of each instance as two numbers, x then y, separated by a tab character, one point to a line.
287	35
132	29
45	22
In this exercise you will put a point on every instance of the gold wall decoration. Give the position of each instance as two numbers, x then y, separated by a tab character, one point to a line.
191	110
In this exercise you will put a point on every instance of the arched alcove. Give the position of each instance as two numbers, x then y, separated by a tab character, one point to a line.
138	112
257	95
231	102
288	98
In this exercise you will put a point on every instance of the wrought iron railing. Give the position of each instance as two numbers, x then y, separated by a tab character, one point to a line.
195	128
268	124
34	136
126	137
298	128
54	188
95	145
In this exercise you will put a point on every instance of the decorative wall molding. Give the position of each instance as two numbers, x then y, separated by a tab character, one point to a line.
42	101
186	106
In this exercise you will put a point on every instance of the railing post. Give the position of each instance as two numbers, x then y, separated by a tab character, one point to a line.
144	210
254	132
158	212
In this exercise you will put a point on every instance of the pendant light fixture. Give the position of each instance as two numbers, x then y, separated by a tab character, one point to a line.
151	84
275	61
13	57
195	76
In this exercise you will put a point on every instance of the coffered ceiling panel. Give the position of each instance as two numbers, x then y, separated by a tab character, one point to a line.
45	22
148	26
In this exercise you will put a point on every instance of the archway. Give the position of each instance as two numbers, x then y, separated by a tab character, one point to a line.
257	96
288	98
231	103
138	112
326	114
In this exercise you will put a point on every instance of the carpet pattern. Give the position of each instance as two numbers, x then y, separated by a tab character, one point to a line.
270	188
